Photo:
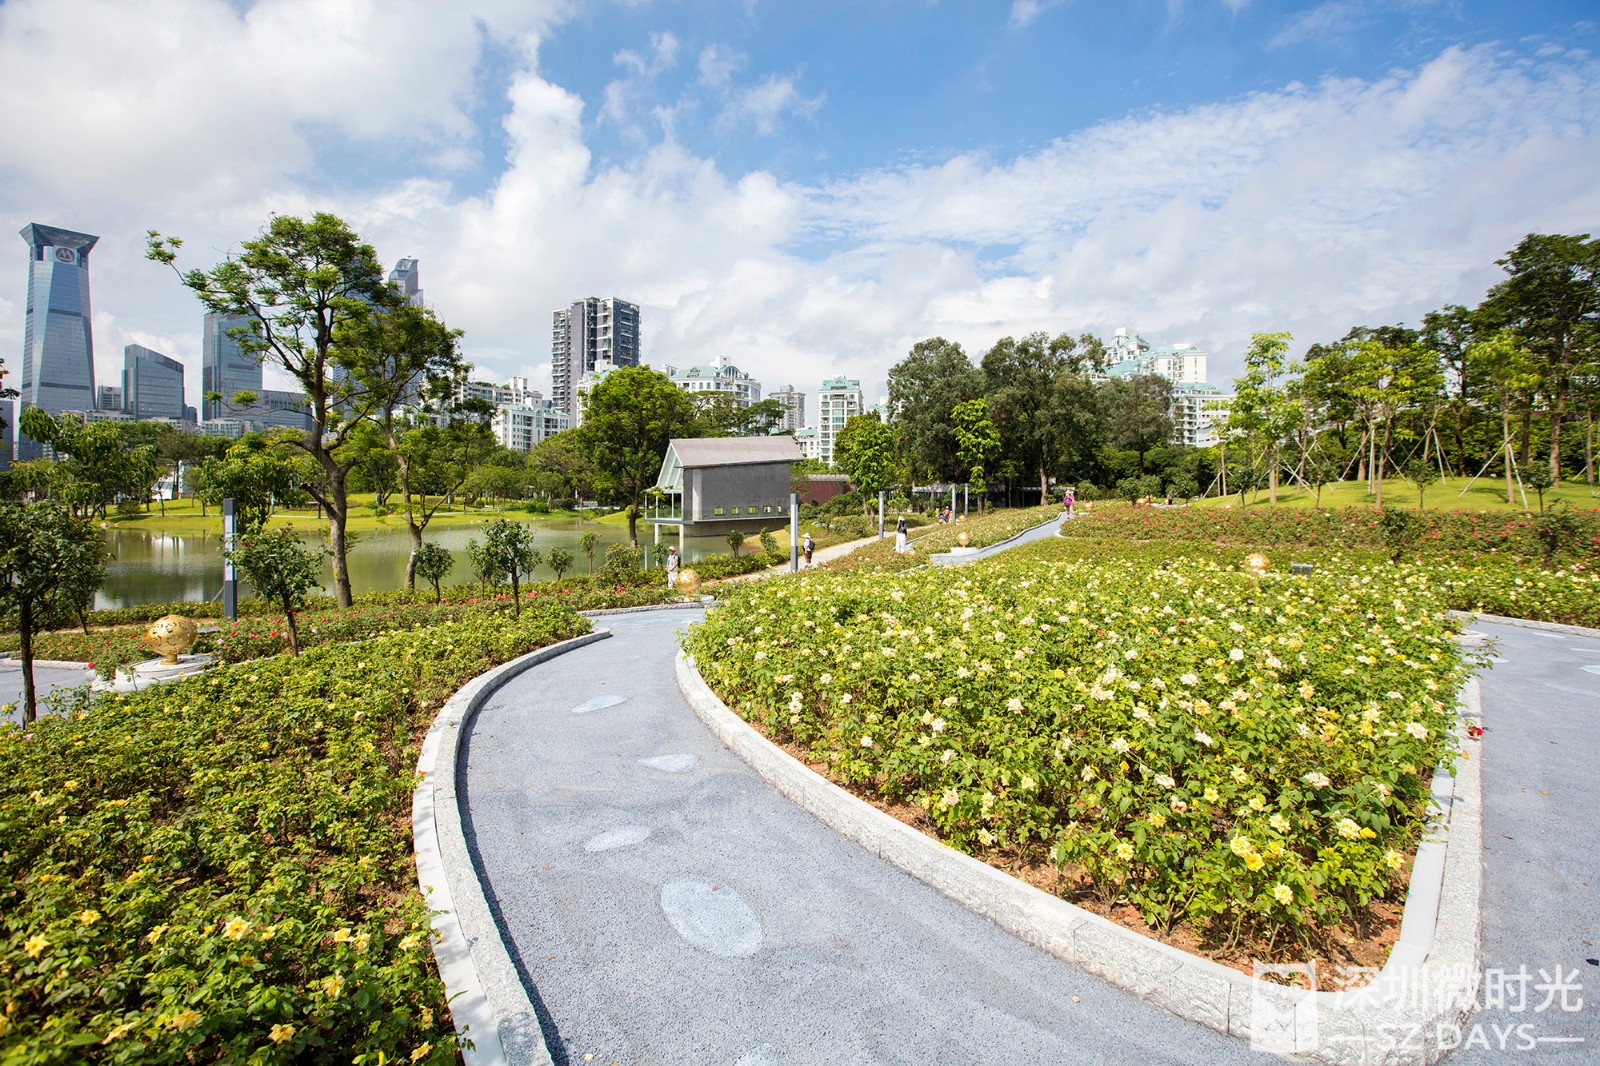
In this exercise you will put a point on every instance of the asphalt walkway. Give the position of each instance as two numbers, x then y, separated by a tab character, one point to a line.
666	906
47	681
1541	851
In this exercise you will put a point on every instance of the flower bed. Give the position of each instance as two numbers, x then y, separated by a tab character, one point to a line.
220	869
981	532
1248	755
1343	529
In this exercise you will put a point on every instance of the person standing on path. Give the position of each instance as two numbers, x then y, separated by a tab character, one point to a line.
808	546
900	544
1069	499
672	567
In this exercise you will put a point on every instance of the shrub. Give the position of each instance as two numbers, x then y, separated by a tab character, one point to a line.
220	869
624	565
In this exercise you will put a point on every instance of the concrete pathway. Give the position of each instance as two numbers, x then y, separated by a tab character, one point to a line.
665	905
46	679
1541	849
1040	532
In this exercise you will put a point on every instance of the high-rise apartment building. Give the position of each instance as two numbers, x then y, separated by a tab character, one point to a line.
1196	404
152	384
57	341
839	400
589	332
794	409
719	376
225	370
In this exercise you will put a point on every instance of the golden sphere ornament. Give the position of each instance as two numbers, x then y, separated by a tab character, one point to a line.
171	636
1256	563
689	583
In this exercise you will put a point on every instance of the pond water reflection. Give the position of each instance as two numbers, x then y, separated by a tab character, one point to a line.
150	567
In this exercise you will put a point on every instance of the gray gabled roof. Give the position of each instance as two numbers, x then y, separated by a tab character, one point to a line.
736	451
700	452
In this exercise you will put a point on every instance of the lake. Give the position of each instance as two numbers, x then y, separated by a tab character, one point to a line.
149	567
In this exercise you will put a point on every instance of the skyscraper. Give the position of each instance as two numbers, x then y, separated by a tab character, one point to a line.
152	384
407	278
224	368
57	342
589	332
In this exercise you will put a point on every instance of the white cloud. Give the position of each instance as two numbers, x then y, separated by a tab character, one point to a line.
1312	208
717	65
764	105
1023	12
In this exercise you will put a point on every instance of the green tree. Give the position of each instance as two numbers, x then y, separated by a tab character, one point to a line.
865	450
511	546
1265	408
589	542
1421	473
1551	301
486	565
310	290
977	442
735	541
1512	373
1020	384
95	465
629	417
1137	412
51	562
256	477
720	414
560	560
280	569
432	564
924	388
1539	480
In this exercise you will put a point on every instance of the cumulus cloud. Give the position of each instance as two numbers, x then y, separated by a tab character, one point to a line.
1311	208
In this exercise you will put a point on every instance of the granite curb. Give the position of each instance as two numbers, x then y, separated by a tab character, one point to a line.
986	550
50	664
1529	623
487	999
1428	982
603	612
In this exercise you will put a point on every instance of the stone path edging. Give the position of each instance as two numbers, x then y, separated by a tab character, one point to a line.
1429	979
487	999
1529	623
50	664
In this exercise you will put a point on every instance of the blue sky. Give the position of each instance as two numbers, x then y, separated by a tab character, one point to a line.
806	189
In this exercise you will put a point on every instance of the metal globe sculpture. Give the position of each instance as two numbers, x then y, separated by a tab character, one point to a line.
171	636
689	583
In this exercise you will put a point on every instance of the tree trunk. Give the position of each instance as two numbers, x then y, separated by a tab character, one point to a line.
1505	446
294	630
1557	412
338	509
1272	477
30	698
633	524
1588	451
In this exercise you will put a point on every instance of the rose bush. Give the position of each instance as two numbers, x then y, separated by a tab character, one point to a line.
1250	754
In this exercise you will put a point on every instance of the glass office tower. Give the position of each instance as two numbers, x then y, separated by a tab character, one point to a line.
152	384
224	368
57	341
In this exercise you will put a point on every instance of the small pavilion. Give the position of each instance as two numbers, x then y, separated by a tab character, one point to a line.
712	485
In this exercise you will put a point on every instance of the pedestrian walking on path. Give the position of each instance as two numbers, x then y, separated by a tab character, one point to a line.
808	546
901	545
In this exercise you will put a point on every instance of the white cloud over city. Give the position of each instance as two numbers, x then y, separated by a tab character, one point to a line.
1308	207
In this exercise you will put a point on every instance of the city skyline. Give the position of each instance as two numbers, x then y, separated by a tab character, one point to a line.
807	203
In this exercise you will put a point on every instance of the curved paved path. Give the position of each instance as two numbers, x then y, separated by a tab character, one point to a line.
1541	876
666	906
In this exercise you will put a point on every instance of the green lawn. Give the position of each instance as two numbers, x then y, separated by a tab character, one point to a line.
1449	494
184	516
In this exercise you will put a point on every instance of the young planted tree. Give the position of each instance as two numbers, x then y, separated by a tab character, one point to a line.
735	541
589	542
432	564
560	560
1266	409
51	563
280	569
510	545
865	450
309	290
1421	473
96	465
977	442
485	565
257	479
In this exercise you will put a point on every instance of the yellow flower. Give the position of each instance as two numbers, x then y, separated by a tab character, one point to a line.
185	1020
1157	820
236	929
1124	851
421	1052
1253	862
1394	859
35	944
88	917
267	932
155	934
1348	829
426	1017
342	936
1282	894
333	986
281	1034
1257	803
1211	795
1367	834
1241	846
1279	822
